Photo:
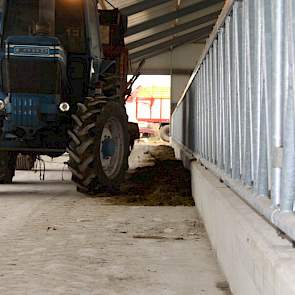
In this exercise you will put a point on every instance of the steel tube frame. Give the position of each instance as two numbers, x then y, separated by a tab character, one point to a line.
244	123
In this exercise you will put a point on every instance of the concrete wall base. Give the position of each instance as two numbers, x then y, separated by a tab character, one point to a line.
253	257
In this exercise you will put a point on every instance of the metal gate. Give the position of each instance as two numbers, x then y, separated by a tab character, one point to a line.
237	114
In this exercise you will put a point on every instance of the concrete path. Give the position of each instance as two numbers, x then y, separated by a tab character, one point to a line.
54	240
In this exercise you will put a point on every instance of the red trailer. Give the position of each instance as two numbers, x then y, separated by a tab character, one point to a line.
151	107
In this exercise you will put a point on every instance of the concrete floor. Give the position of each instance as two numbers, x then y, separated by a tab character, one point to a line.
54	240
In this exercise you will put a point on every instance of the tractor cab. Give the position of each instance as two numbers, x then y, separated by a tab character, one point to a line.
50	60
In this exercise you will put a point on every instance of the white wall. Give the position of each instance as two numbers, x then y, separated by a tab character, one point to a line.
185	57
181	62
178	84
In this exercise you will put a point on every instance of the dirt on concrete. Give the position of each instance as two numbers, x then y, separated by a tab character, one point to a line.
56	241
164	182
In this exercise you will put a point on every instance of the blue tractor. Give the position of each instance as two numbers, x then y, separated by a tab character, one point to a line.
63	77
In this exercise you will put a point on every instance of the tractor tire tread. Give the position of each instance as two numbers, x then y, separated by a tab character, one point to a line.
7	167
82	156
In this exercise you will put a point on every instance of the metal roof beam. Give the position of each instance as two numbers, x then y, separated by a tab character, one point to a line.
171	16
141	6
166	46
178	29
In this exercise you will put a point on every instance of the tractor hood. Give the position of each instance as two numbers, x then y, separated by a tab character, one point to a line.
33	64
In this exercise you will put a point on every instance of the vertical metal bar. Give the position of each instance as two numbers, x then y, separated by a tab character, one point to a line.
239	32
193	114
243	88
199	116
209	82
221	58
188	119
267	64
227	97
208	107
236	94
247	114
288	171
202	108
277	94
262	165
233	98
202	111
263	171
216	121
196	126
205	112
209	99
192	103
255	55
262	176
212	118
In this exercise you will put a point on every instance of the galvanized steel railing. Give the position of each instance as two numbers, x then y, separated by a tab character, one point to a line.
237	114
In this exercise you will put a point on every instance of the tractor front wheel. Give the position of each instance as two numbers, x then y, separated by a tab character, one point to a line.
99	148
7	167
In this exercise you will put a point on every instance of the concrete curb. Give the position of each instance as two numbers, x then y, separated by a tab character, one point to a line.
254	259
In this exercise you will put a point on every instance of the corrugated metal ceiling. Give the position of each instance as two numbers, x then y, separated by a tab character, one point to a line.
150	49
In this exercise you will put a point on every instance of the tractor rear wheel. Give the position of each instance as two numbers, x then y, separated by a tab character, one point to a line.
99	146
7	167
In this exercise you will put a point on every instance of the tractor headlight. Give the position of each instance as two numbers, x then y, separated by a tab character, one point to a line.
64	107
2	105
